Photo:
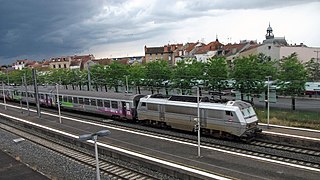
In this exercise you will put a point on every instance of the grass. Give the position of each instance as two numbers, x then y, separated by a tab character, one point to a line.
300	119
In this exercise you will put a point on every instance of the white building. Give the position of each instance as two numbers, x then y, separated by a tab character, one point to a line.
277	48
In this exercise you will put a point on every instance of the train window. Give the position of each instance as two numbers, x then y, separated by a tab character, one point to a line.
99	103
93	102
152	107
86	101
114	104
65	99
80	100
60	98
41	96
75	100
70	99
143	104
106	103
229	113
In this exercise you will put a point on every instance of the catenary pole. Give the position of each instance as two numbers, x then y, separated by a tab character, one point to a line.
36	93
27	95
198	118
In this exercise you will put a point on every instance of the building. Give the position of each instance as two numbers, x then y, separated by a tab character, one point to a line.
277	48
203	53
70	62
20	64
167	53
60	62
231	51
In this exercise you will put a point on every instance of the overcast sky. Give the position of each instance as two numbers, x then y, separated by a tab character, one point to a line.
40	29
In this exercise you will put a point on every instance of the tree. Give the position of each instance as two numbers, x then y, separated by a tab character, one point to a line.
250	73
157	72
292	76
3	77
244	72
73	76
136	76
115	74
182	75
187	74
56	76
16	76
217	73
313	70
98	76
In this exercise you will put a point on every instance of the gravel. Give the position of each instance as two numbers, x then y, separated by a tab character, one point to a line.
45	161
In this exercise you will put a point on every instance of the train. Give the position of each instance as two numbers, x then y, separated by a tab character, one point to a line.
234	119
312	88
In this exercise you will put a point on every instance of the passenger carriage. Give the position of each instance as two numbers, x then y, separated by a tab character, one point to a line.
117	105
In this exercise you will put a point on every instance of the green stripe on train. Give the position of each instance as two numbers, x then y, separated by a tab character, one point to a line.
66	104
17	97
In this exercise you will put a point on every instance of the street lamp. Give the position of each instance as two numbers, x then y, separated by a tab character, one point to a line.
94	137
27	96
8	76
127	87
268	102
197	119
4	97
58	102
89	78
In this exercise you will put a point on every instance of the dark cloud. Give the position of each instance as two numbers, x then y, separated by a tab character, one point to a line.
41	29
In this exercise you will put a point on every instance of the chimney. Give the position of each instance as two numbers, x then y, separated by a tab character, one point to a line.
165	48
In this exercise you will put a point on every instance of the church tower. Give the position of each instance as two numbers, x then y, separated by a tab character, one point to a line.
269	34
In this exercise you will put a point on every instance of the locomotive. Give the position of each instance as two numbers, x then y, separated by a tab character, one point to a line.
232	119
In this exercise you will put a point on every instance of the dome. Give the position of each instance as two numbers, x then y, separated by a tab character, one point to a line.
269	28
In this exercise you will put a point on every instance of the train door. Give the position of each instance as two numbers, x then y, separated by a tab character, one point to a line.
47	100
161	112
124	108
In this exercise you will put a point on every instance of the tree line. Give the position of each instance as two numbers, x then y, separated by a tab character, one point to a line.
249	75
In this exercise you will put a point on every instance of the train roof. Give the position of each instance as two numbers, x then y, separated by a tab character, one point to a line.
89	94
179	100
96	94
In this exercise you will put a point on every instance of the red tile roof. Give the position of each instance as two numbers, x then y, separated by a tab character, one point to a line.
212	46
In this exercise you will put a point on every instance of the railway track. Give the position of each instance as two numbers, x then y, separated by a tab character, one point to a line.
110	169
283	153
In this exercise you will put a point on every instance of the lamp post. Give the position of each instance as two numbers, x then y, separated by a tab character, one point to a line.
4	97
7	76
21	95
127	87
27	96
89	78
58	102
94	137
36	92
268	94
198	118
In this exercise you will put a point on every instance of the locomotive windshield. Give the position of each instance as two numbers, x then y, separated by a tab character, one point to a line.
248	112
